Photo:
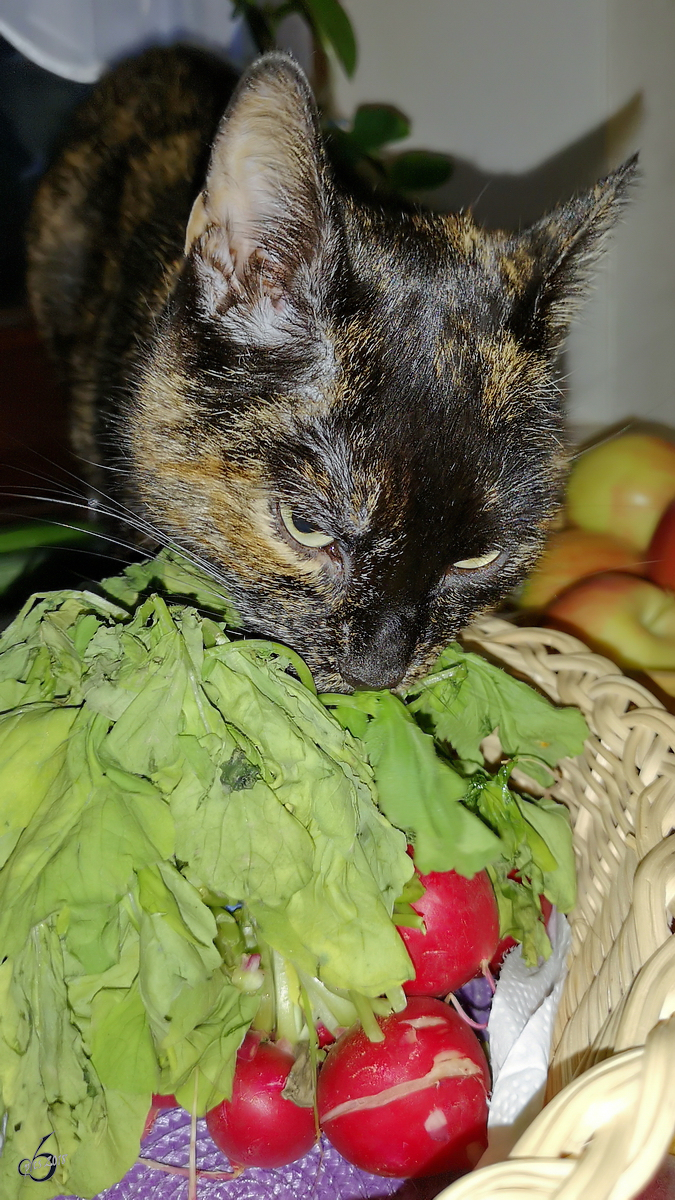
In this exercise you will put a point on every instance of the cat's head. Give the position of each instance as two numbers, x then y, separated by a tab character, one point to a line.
353	416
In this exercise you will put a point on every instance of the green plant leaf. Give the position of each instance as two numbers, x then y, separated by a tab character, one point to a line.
419	170
171	573
331	22
29	537
376	125
122	1050
16	564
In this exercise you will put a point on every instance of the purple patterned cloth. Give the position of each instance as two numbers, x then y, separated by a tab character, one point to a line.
321	1175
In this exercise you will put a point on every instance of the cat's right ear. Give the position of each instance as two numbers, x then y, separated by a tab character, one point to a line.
259	230
556	257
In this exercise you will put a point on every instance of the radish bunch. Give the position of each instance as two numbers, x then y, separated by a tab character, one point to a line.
401	1093
414	1103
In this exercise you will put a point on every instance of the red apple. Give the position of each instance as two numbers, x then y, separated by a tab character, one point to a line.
629	619
572	554
660	557
622	486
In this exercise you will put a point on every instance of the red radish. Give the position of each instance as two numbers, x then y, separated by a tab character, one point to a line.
414	1104
258	1127
462	932
324	1036
158	1103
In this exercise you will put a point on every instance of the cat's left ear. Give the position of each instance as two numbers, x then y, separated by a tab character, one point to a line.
257	232
561	251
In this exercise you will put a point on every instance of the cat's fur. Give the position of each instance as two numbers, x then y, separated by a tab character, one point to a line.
390	380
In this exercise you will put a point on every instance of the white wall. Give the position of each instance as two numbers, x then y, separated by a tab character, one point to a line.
641	352
536	98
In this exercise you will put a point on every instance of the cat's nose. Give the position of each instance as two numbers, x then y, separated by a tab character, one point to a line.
379	659
373	680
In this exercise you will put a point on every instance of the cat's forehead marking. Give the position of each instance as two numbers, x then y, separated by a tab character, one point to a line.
347	482
466	238
364	501
455	347
516	265
507	371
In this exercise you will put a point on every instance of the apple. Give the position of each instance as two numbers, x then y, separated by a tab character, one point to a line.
660	557
572	554
665	680
622	486
629	619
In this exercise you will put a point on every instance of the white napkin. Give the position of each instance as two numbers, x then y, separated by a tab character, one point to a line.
520	1028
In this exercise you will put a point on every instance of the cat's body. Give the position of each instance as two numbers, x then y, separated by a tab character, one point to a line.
353	418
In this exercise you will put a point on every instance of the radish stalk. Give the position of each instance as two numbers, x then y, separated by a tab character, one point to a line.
367	1017
331	1008
452	999
315	1056
288	1014
397	999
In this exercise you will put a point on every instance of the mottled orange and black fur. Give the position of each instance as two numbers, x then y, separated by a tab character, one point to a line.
264	360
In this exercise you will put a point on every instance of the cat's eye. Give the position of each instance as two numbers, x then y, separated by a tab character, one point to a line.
302	530
474	564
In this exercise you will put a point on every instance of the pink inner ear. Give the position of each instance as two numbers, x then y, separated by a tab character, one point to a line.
214	247
270	275
263	181
256	229
228	241
275	294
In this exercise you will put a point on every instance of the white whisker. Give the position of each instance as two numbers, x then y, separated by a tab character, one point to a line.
117	512
610	437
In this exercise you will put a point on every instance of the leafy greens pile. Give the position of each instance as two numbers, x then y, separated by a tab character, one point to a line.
178	808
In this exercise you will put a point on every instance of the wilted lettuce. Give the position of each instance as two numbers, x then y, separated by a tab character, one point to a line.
147	761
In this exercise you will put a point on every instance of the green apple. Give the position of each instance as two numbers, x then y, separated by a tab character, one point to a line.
664	680
627	618
570	555
622	486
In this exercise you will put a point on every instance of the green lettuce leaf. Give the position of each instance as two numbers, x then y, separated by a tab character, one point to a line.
537	840
51	1087
466	698
420	793
172	574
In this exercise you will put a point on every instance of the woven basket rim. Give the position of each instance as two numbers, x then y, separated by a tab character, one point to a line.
610	1113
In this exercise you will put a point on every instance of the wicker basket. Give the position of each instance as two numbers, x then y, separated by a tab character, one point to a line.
610	1116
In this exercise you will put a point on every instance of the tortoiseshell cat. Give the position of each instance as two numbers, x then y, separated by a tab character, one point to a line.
352	417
